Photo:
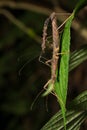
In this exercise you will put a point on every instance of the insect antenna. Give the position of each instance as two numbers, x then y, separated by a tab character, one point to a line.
19	73
36	99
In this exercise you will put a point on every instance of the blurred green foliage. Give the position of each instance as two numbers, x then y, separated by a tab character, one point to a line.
17	92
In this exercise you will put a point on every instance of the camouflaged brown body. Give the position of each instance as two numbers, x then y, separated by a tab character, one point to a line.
55	35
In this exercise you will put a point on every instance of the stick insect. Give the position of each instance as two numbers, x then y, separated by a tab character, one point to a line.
55	54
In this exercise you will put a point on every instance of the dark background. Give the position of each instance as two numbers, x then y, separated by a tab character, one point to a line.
21	29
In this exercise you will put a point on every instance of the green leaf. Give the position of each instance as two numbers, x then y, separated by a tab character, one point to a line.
80	102
74	117
62	84
73	121
77	57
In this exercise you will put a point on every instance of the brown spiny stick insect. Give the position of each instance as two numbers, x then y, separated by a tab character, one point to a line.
55	53
54	60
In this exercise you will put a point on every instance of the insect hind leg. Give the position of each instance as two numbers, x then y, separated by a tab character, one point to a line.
50	88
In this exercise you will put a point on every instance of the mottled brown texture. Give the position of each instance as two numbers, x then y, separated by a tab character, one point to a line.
55	47
55	36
